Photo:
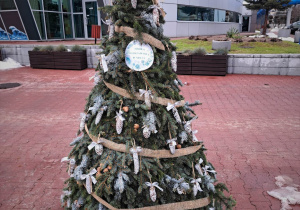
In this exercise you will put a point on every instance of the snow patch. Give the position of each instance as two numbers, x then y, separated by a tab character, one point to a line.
287	193
9	63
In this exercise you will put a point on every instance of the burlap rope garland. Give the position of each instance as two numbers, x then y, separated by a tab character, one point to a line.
145	152
171	206
157	100
146	37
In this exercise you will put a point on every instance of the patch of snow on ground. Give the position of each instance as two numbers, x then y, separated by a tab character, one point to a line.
9	63
272	35
287	192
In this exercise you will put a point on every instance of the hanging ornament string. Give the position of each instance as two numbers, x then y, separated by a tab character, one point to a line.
157	100
145	152
146	37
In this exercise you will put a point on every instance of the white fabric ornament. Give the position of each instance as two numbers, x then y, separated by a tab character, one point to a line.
198	167
172	145
146	132
174	61
196	187
99	114
119	124
98	147
152	189
156	16
147	94
111	27
120	182
72	163
188	125
174	110
135	151
104	63
149	124
207	169
97	104
181	186
194	136
77	139
90	180
134	3
183	135
82	121
66	193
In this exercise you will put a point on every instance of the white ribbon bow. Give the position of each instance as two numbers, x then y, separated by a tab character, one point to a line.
103	62
89	180
206	170
174	61
181	186
194	136
135	151
152	189
198	167
148	95
172	143
172	106
66	193
98	146
72	163
119	115
196	187
174	110
82	121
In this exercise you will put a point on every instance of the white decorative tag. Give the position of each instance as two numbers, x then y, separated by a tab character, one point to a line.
139	57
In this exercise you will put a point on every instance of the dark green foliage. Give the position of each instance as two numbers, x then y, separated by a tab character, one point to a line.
61	48
160	80
232	32
77	48
37	48
48	48
223	51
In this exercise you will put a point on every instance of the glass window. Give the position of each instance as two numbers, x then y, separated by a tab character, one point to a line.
68	26
7	5
78	26
53	25
36	4
220	15
232	17
38	16
52	5
77	6
187	13
66	6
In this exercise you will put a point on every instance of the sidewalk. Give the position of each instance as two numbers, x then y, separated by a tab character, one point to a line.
250	125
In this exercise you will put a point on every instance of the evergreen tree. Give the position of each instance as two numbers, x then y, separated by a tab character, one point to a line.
267	5
135	146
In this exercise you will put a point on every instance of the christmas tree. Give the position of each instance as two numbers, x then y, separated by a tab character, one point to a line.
135	147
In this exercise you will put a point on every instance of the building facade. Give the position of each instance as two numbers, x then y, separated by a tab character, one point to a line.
72	19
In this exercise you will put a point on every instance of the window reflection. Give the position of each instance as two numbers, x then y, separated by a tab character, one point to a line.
7	5
53	25
68	26
78	26
66	6
40	23
52	5
36	4
77	6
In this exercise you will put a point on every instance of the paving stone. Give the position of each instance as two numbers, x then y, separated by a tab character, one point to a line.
249	123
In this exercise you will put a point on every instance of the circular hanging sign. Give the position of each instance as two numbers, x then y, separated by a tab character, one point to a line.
139	57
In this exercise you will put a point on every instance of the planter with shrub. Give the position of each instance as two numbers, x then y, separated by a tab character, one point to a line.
198	62
48	57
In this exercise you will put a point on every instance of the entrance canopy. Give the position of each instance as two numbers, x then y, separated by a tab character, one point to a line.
294	2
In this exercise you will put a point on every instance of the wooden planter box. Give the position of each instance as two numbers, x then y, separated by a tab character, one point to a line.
209	65
1	58
58	60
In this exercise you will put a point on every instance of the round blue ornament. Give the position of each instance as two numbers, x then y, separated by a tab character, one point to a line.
139	57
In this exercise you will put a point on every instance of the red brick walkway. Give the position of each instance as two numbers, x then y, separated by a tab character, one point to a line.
250	125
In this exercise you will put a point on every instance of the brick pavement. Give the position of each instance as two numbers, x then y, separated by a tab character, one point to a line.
250	125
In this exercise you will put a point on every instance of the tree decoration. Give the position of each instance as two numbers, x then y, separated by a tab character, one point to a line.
97	104
134	3
174	110
125	108
72	163
194	136
181	186
103	63
172	145
119	124
111	27
136	126
152	189
174	62
90	180
66	193
156	16
196	186
147	94
121	181
98	147
76	140
82	121
207	169
135	150
198	167
184	137
99	114
149	125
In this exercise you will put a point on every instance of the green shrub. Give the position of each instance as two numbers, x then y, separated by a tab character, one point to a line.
199	51
48	48
77	48
37	48
189	52
238	38
61	48
232	32
223	51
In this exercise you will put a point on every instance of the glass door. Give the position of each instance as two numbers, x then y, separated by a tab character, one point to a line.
91	16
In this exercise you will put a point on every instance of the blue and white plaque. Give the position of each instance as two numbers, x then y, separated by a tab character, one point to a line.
139	57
